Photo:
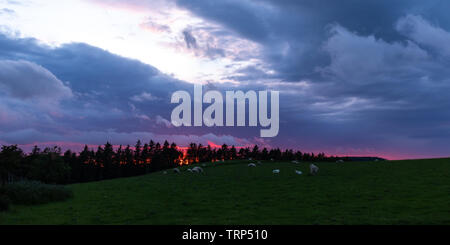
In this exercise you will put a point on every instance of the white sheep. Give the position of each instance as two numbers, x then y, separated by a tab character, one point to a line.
165	172
176	170
313	169
249	158
197	170
276	171
189	170
271	159
298	172
295	162
340	161
251	165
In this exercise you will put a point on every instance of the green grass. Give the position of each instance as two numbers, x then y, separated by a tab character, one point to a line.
394	192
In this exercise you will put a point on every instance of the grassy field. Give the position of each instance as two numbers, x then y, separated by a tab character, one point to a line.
393	192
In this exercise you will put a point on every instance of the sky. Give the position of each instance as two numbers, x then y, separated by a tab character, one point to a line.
357	78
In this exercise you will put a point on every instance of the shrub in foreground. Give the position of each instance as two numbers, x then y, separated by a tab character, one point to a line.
34	192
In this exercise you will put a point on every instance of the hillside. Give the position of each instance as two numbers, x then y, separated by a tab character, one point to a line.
391	192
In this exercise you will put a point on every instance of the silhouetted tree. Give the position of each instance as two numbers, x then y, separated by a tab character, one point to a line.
50	166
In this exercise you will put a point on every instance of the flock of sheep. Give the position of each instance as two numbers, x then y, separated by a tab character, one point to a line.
313	169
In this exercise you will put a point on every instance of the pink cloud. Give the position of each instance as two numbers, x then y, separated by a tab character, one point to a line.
135	5
154	27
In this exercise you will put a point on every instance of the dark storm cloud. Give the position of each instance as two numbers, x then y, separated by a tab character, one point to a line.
204	50
293	31
243	16
356	77
189	39
79	93
26	80
376	70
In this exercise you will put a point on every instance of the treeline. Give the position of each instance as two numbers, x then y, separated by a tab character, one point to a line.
54	167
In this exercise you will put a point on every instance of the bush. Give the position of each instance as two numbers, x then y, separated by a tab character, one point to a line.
4	202
34	192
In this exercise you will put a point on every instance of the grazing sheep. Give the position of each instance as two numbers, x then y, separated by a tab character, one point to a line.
313	169
276	171
189	170
176	170
251	165
296	162
197	170
250	159
298	172
339	161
